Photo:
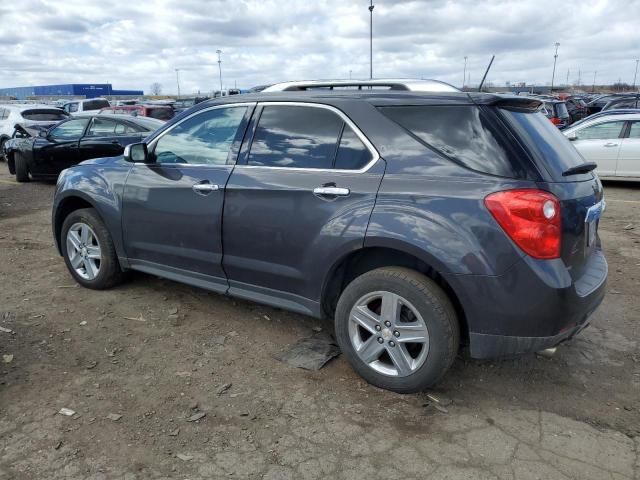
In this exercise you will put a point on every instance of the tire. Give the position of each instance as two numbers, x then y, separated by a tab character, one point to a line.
101	271
2	155
21	167
423	305
11	164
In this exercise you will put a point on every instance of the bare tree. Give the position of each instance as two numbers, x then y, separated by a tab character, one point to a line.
156	88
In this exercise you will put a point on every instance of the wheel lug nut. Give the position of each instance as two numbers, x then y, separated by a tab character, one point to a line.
378	328
387	323
396	333
392	343
380	340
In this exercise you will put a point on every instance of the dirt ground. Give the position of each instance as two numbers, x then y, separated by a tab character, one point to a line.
136	363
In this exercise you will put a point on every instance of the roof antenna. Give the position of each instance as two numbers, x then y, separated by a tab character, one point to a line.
485	73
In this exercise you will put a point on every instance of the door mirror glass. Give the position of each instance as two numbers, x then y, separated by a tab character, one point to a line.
136	153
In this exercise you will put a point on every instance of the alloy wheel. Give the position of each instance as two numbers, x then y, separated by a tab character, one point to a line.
83	250
388	334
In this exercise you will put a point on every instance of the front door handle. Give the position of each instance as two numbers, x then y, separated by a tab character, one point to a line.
205	188
332	191
610	144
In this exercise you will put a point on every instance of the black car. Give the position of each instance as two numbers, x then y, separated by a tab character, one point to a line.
415	220
44	153
599	103
557	112
616	103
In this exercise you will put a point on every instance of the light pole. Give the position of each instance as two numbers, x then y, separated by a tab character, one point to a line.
178	80
555	58
464	73
635	75
371	40
593	88
220	69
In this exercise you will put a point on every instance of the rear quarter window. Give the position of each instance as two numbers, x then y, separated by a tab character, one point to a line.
466	134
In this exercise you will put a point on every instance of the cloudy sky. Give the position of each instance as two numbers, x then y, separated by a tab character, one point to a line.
134	44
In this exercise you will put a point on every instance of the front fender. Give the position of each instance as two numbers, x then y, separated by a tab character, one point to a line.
96	186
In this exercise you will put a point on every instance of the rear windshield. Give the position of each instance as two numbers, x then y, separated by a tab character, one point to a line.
44	115
95	104
160	113
462	133
561	110
148	123
543	139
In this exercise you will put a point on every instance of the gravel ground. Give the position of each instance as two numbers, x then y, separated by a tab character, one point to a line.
138	362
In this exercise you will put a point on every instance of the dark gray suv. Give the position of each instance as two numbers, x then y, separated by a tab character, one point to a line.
418	221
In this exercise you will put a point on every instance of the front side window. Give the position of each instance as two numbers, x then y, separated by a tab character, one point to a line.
205	138
295	137
601	131
102	127
69	130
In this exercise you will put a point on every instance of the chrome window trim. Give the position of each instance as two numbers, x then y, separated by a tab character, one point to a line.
152	144
374	153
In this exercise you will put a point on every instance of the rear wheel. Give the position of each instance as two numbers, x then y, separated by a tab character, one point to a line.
88	250
398	329
21	167
3	157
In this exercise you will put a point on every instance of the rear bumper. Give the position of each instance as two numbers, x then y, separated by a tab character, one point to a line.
533	306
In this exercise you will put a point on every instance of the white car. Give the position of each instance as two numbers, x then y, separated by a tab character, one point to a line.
78	106
612	142
33	114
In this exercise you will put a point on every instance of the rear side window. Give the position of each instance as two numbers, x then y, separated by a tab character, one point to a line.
634	131
295	137
545	142
102	127
95	104
352	153
160	113
463	134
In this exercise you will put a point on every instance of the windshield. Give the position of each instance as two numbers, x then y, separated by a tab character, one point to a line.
44	115
550	147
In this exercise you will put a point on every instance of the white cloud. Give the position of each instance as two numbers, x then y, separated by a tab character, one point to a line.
134	45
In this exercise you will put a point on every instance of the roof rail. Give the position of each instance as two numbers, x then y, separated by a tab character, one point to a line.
413	85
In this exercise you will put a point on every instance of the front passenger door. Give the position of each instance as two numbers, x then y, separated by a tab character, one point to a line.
600	143
172	210
59	150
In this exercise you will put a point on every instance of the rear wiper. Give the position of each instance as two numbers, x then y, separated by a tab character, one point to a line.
583	168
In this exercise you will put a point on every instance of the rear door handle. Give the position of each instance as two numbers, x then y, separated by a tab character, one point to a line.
205	188
610	144
333	191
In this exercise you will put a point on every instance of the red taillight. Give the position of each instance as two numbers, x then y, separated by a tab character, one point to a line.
531	218
556	120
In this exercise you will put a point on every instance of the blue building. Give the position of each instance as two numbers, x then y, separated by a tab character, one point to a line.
88	90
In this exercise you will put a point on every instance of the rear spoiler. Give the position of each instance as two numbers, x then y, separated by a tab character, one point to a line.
517	103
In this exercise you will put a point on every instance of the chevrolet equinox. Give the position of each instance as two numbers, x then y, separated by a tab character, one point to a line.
418	221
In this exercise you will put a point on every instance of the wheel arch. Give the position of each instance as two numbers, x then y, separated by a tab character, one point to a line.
64	208
368	258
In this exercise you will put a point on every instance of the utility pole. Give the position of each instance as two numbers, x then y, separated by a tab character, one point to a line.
220	69
178	80
568	77
555	58
635	75
371	40
464	73
593	88
579	77
349	74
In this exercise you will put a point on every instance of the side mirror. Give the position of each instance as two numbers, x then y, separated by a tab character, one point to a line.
136	153
572	136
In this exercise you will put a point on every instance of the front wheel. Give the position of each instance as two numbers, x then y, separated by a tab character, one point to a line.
21	167
88	250
398	329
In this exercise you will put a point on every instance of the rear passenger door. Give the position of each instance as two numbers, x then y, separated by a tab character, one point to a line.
629	157
299	199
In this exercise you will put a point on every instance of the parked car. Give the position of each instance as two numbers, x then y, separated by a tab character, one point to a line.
71	141
415	220
631	101
33	114
600	102
182	104
612	141
577	108
556	111
76	107
159	112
